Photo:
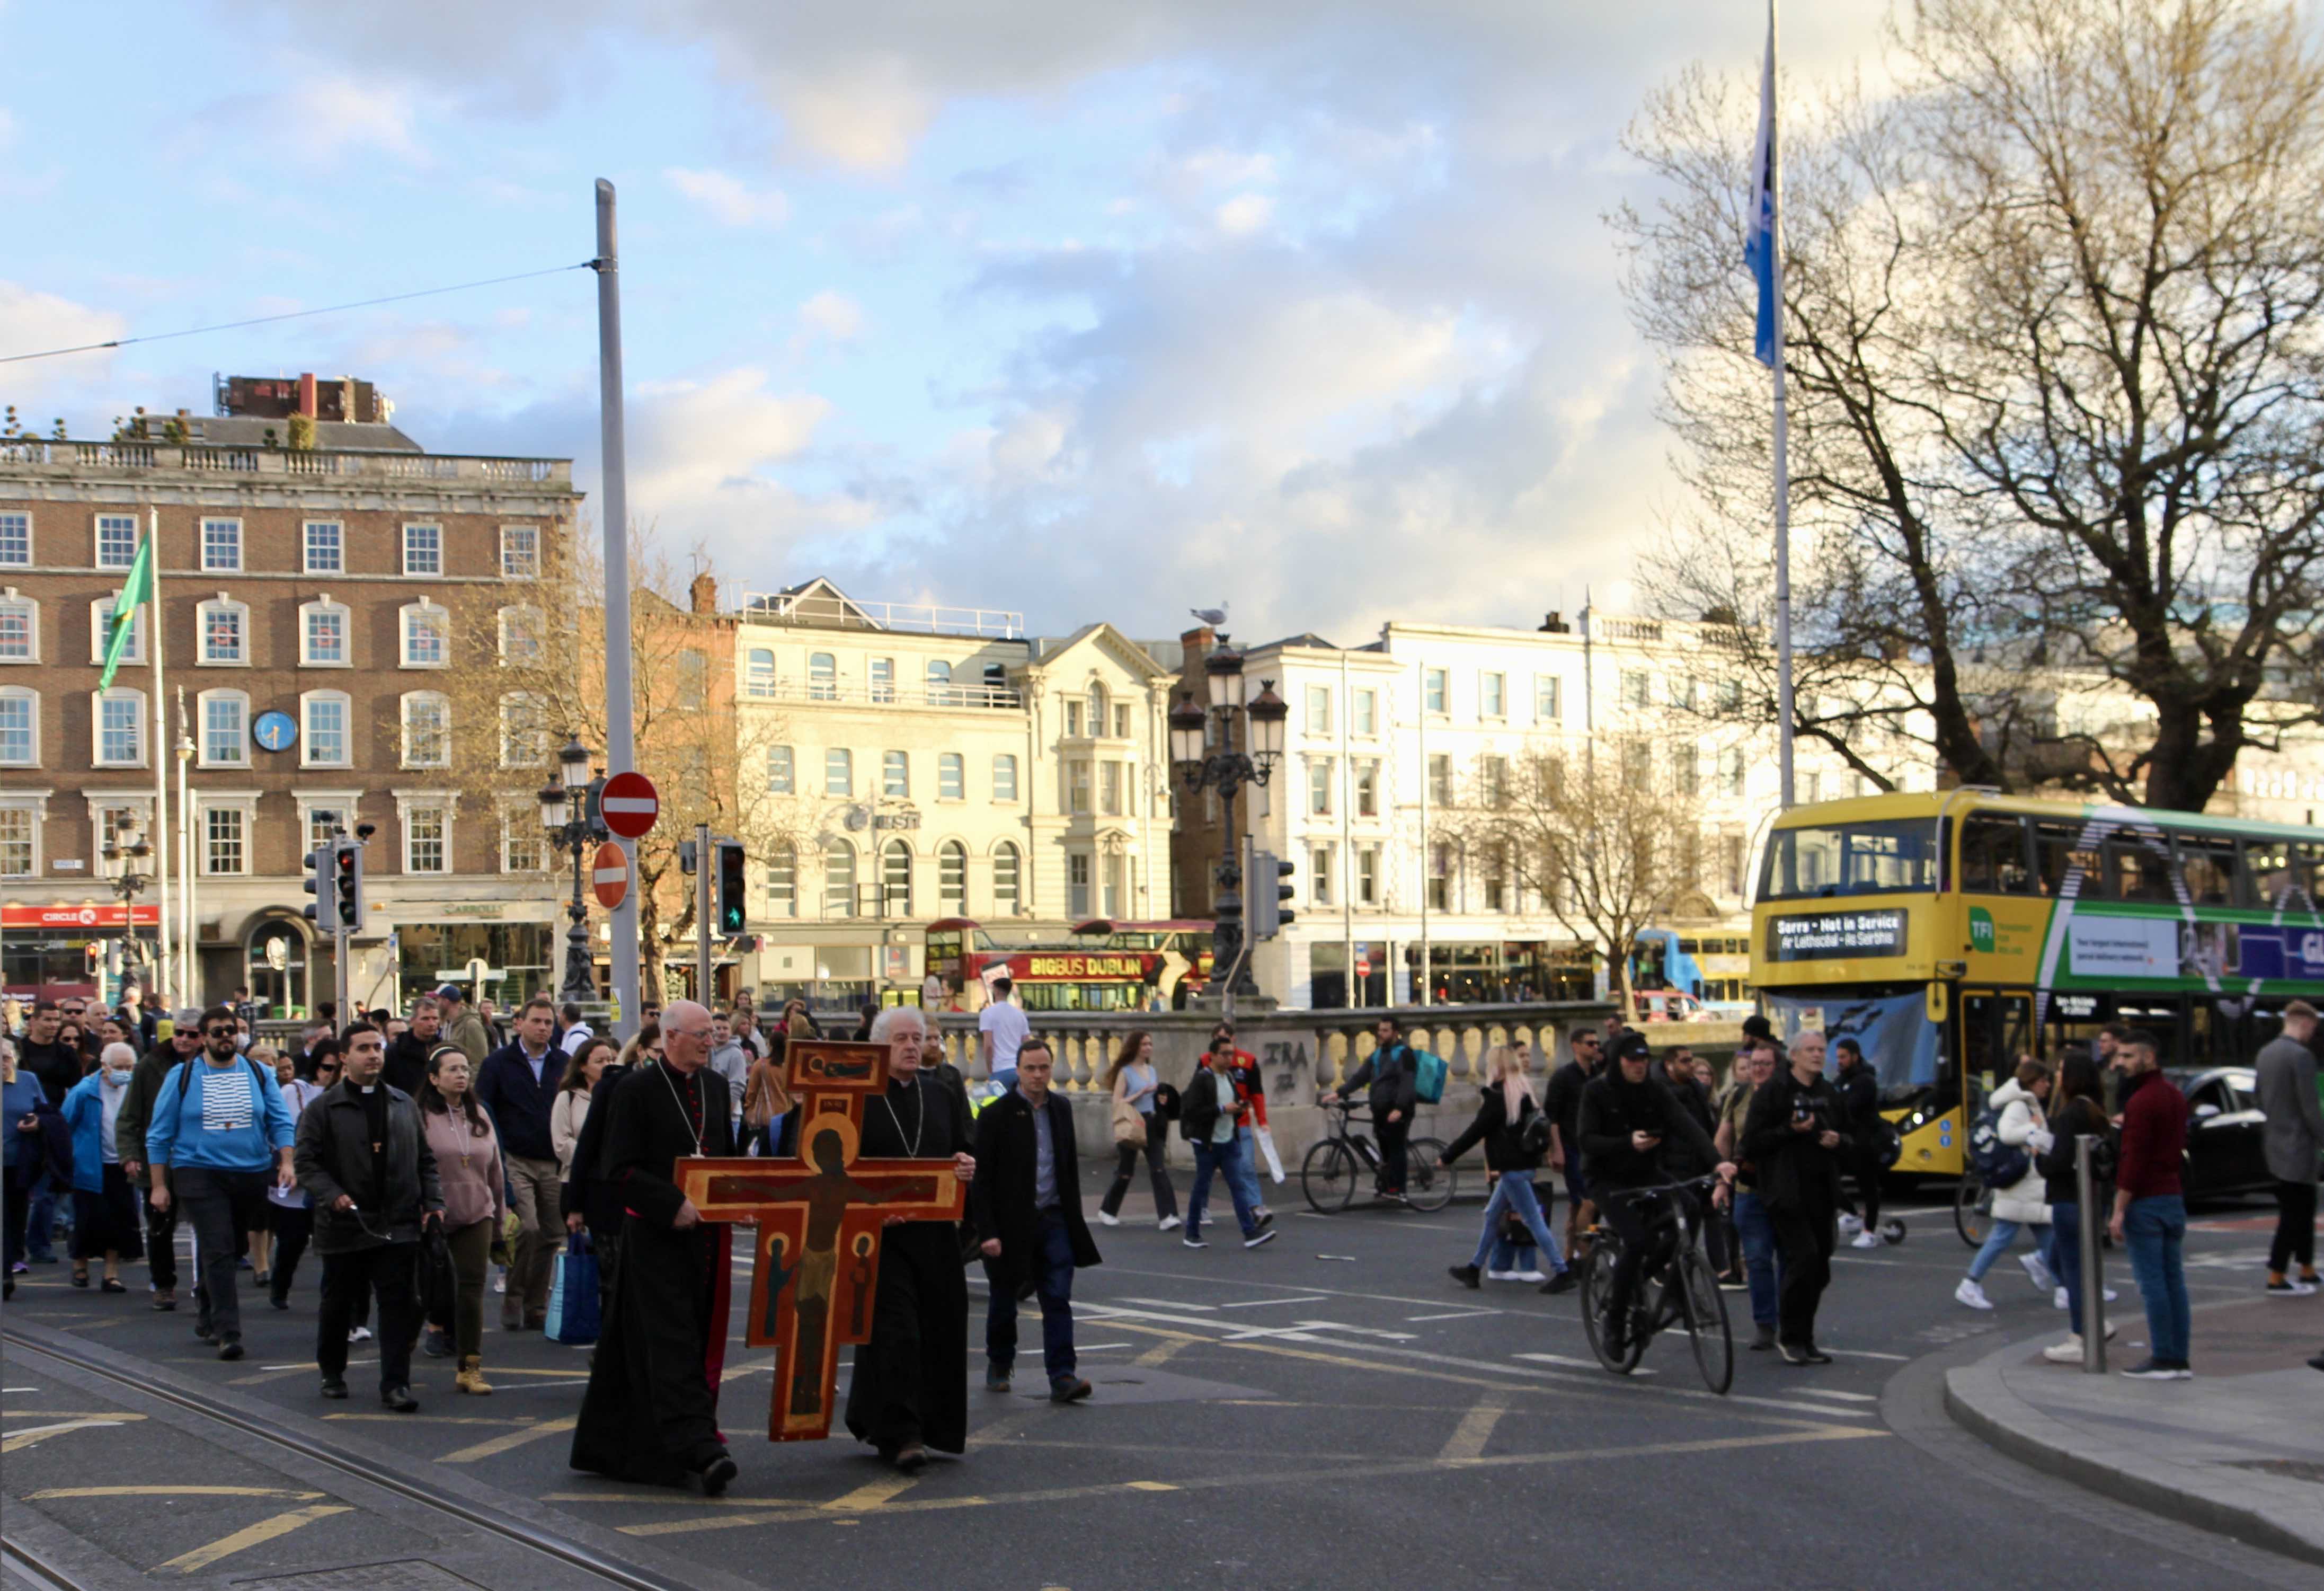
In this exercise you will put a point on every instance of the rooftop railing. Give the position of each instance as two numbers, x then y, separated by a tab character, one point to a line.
33	451
989	697
826	612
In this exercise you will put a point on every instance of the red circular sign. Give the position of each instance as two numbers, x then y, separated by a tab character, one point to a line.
609	875
628	804
1363	967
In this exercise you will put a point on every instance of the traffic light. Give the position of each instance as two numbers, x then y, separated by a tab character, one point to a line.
734	887
322	882
347	884
1268	891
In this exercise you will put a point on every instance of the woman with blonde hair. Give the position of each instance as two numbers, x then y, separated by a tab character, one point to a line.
1516	1135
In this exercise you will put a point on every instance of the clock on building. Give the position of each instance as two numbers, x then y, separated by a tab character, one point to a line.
277	731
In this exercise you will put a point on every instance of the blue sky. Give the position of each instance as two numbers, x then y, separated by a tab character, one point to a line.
1091	312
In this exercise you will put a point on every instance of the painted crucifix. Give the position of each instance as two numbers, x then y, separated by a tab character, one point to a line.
819	1215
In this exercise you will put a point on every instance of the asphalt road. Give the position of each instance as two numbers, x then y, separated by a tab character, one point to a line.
1329	1410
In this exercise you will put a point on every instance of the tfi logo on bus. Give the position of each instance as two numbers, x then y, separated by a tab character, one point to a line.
1981	929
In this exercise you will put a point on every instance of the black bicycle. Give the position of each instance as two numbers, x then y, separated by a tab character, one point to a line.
1331	1172
1676	1286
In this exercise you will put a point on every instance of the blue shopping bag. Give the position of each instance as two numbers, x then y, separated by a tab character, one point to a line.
573	1315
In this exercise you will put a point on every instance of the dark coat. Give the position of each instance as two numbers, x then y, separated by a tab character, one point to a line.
1793	1171
1504	1140
51	1149
1393	1077
1199	1106
519	1107
154	1068
407	1060
333	1156
1005	1153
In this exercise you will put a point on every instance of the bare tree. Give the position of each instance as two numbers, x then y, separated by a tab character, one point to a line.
2057	385
1592	833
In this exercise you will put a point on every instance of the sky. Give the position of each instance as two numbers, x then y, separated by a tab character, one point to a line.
1081	312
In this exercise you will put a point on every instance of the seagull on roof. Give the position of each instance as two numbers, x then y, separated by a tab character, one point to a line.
1212	617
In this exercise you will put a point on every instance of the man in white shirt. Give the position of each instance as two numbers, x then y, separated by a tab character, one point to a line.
1003	1027
576	1032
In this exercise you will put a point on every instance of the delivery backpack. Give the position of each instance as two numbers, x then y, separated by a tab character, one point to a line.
1427	1077
1999	1164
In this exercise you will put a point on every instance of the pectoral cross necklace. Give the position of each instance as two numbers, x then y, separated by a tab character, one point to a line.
685	1116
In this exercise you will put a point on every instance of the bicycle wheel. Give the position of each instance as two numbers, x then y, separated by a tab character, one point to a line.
1598	1282
1424	1187
1972	1210
1705	1308
1328	1176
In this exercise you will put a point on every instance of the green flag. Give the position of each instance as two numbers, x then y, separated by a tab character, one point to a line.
134	591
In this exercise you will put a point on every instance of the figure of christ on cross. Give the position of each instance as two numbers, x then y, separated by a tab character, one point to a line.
809	1218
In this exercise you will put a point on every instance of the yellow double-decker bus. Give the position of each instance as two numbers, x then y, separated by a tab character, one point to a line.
1951	932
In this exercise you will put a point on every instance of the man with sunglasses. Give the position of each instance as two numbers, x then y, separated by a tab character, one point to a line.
218	1126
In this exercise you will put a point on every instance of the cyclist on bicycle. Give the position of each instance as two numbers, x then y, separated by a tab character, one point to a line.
1627	1117
1393	1074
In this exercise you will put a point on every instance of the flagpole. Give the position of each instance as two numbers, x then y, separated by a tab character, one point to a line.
1785	708
158	830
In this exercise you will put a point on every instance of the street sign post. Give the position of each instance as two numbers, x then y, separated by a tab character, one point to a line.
609	875
630	804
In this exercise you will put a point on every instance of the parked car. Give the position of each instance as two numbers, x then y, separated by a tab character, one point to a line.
2225	1129
1669	1006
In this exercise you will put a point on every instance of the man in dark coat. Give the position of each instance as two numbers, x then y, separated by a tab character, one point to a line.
1029	1214
651	1414
1793	1136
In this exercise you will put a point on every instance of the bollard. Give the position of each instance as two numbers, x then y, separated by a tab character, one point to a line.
2093	1266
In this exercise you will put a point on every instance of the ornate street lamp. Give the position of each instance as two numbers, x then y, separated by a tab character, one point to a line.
1227	770
568	808
125	855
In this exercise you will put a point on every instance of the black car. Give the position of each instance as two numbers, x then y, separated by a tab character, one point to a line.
2225	1129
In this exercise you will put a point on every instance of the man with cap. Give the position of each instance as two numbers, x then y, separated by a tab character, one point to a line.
462	1026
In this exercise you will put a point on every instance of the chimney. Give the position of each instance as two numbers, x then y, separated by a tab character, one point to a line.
307	393
1554	623
703	593
1197	642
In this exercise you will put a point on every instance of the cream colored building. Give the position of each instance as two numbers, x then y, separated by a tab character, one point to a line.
938	763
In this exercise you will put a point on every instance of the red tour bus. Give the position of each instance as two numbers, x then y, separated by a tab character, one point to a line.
1102	965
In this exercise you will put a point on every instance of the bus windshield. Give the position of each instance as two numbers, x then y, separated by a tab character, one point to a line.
1816	861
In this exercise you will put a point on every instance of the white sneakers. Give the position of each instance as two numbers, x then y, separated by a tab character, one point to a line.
1866	1239
1850	1225
2040	1274
1535	1276
1108	1220
2058	1299
1502	1276
1969	1292
2290	1287
1169	1222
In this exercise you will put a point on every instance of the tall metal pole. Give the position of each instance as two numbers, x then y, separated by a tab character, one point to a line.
158	830
2093	1265
704	861
621	740
189	868
1422	994
1785	710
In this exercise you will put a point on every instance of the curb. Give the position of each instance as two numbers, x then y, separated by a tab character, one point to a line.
1981	1403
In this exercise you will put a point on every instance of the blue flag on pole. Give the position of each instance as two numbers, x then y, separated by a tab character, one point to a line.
1759	237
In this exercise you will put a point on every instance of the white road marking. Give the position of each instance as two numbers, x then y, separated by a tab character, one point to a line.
1836	1393
1583	1364
1452	1315
1866	1354
1172	1304
1312	1298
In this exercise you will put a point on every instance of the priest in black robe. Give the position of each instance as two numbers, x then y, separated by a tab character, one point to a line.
909	1390
651	1414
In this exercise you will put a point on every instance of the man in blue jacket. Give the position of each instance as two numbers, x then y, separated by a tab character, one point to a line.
518	1085
217	1128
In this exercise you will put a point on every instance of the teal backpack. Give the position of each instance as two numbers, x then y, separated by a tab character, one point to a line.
1428	1078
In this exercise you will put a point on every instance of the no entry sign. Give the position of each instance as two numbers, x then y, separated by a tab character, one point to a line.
609	875
630	804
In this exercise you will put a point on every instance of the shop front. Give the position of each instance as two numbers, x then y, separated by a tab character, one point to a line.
512	961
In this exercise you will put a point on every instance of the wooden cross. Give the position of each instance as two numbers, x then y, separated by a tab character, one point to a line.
819	1215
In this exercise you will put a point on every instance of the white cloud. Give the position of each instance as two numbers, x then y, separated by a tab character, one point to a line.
832	315
335	113
1245	213
698	448
729	199
33	322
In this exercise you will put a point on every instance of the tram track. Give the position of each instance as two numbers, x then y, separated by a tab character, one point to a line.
29	1568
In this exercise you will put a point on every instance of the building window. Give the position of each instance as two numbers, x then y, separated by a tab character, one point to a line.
524	738
996	683
952	778
19	728
693	679
952	878
1319	787
1637	765
427	730
1440	778
524	846
1637	688
323	826
116	540
1492	692
1004	777
520	553
323	634
1078	788
1116	887
520	631
1367	867
1494	774
121	729
759	674
19	852
1121	720
838	878
226	729
323	734
1322	864
939	683
1077	885
1319	709
1097	700
1730	863
1731	695
423	550
100	630
782	882
1730	771
1440	877
1431	691
1367	790
325	547
16	541
896	879
883	679
1544	698
20	628
427	840
838	773
1007	877
822	677
1073	717
1686	772
222	546
426	635
896	775
1365	713
223	625
779	778
225	850
1109	789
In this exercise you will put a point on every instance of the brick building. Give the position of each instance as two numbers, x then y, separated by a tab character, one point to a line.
315	598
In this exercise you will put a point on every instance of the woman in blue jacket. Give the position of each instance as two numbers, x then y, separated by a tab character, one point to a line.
105	1206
